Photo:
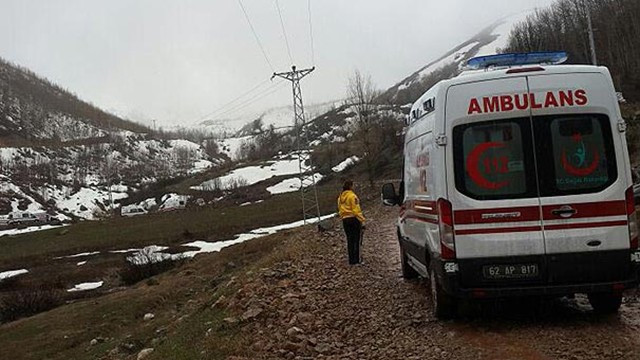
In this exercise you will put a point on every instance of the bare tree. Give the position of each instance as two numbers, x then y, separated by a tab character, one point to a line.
211	148
361	94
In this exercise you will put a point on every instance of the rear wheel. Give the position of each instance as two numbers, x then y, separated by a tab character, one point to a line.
605	303
444	305
407	271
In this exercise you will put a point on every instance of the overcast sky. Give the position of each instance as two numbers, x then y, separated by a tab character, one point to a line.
179	60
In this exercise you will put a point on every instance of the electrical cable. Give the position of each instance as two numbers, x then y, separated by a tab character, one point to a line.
313	55
225	106
284	32
267	92
255	34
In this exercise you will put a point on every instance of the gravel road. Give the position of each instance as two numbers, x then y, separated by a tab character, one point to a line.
317	306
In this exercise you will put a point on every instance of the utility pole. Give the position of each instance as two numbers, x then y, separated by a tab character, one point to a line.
592	43
308	191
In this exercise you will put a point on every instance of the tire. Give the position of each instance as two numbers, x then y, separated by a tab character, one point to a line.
605	303
407	271
444	306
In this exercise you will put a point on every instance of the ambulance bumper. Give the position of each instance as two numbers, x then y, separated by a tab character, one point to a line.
455	282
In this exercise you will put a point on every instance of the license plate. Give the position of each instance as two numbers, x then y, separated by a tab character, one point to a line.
510	271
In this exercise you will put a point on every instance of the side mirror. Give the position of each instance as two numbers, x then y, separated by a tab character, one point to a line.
389	195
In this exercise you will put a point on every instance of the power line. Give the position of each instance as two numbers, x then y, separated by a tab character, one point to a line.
255	34
284	32
253	100
225	106
267	92
313	55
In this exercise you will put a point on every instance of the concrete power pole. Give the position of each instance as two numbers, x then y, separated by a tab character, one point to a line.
308	192
592	43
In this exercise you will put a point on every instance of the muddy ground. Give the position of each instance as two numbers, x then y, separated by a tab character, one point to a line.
317	306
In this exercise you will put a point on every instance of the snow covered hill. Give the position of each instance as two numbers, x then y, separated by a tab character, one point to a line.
280	118
488	41
62	155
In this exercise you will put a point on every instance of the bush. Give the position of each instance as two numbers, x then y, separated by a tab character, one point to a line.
11	283
28	302
146	264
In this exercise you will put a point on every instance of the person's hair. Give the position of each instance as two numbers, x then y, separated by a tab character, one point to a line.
348	185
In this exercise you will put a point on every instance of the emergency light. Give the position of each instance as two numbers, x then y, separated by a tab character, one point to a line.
517	59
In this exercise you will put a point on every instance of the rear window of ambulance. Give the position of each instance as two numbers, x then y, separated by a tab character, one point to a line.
494	159
579	153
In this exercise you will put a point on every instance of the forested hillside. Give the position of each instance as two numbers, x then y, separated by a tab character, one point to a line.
564	26
33	110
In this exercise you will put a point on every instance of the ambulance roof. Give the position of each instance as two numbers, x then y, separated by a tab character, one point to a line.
470	76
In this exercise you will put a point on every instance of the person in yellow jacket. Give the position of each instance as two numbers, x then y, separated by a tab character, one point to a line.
352	220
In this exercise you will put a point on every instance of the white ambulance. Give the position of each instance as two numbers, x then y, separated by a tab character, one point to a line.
517	182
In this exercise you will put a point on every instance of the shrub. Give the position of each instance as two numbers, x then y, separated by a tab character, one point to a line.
28	302
146	264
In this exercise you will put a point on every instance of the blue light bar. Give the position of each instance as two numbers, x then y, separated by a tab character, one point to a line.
515	59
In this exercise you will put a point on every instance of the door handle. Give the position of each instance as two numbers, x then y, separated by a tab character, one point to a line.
565	211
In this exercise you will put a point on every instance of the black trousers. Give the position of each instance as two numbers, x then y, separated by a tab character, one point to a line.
353	228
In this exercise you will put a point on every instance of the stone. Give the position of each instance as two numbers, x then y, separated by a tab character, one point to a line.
294	331
144	353
291	346
251	313
230	320
322	348
220	302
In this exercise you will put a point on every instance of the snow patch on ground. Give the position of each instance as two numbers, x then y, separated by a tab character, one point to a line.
200	166
291	185
84	254
10	232
231	146
11	273
86	203
7	187
86	286
154	253
249	175
251	203
348	162
125	251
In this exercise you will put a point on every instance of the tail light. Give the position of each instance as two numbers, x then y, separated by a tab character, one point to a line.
447	239
632	218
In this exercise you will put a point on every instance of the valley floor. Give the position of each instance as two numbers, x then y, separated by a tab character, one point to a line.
293	296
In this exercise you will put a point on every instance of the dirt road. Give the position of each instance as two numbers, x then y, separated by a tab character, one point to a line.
319	307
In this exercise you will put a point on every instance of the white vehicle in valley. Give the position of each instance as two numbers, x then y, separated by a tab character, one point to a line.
517	182
128	211
26	218
172	202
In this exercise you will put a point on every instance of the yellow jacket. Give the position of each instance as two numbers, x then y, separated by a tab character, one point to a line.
349	206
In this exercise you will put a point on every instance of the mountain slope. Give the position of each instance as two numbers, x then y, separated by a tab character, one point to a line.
488	41
61	154
281	118
34	109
